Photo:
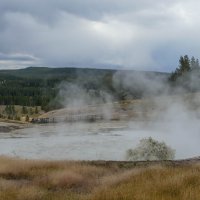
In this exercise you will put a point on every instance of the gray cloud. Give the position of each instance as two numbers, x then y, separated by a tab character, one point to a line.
10	61
17	57
92	9
148	35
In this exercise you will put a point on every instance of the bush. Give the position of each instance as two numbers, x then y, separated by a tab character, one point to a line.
150	149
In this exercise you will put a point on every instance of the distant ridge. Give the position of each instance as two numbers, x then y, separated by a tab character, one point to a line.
37	72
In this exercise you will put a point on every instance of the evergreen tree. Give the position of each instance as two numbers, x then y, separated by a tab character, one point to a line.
184	64
197	66
24	110
194	63
13	111
31	111
36	110
184	67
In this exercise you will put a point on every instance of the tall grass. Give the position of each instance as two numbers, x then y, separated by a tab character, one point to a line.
165	183
45	180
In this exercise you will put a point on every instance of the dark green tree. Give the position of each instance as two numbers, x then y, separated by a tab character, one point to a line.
194	64
184	67
184	64
36	110
24	110
31	111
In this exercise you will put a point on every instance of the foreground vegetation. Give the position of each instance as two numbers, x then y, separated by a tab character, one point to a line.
45	180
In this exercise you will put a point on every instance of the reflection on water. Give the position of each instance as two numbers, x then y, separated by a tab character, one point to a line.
88	141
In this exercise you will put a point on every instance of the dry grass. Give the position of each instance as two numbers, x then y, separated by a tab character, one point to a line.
45	180
163	183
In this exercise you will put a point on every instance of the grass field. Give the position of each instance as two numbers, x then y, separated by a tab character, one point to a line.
61	180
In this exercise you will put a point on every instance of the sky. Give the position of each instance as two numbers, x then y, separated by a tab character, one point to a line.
122	34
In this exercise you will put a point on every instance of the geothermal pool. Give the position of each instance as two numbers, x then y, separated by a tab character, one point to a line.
95	141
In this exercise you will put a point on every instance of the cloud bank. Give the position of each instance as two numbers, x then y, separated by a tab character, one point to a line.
142	35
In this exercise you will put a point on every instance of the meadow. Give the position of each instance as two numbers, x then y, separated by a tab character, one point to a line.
98	180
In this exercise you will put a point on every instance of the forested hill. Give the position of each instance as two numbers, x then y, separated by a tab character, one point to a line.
38	86
48	73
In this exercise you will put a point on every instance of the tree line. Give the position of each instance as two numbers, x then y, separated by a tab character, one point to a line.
186	65
40	86
37	86
186	75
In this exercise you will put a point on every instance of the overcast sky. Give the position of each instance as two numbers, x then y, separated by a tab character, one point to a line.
141	35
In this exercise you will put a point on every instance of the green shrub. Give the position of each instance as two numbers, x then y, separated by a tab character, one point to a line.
150	149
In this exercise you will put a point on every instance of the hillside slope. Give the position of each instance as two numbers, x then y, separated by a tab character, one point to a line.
38	86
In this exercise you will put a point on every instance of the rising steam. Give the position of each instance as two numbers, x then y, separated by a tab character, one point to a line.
166	114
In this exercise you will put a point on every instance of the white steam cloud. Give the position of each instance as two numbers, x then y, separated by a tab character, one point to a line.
171	116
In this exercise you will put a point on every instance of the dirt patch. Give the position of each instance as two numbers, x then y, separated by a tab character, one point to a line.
6	127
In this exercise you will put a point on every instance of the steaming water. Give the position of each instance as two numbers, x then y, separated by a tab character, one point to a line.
91	141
